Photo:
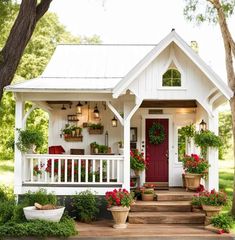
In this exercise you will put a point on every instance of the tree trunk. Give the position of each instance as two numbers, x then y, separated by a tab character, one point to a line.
232	104
30	12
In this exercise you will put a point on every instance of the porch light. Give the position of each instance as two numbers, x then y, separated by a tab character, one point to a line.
96	112
79	108
63	107
114	121
202	125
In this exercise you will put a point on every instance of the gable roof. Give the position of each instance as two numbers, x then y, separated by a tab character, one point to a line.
81	67
107	67
172	37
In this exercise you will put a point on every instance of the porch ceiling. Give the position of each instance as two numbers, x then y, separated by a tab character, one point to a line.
169	104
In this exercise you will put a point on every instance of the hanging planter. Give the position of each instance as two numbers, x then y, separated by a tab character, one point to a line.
96	129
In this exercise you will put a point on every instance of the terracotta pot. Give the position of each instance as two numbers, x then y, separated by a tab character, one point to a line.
147	197
192	181
119	216
211	210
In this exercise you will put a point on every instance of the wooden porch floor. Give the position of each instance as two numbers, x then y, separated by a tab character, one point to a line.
103	230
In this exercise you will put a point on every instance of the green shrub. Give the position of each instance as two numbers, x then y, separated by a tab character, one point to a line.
37	228
7	209
222	221
85	206
41	196
6	194
196	201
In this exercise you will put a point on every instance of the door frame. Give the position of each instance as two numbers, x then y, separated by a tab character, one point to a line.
170	142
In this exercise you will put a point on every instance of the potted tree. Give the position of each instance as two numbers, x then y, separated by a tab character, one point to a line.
195	168
138	163
119	202
29	140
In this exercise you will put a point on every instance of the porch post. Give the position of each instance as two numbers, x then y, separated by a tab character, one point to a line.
213	177
18	164
126	128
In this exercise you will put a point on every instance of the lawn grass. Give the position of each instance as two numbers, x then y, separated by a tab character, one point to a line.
6	172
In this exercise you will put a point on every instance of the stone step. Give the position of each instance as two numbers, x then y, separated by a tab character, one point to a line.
161	206
174	196
166	217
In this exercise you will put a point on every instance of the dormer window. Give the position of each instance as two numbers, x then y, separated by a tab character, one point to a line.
171	78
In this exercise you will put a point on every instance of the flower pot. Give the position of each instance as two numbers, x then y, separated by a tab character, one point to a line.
53	215
197	209
119	215
147	197
78	131
137	172
211	210
192	181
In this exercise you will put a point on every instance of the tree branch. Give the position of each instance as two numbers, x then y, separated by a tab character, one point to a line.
42	8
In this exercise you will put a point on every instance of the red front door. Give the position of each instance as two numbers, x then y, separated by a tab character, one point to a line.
157	154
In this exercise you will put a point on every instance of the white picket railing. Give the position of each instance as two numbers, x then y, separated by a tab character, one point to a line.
71	169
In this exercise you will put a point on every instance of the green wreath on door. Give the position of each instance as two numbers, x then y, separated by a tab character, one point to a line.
156	138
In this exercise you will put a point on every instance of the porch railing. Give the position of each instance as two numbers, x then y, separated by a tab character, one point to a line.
73	169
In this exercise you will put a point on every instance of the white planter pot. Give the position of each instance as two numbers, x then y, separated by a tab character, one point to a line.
53	215
121	151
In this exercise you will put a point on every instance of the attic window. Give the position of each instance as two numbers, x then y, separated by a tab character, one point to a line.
171	78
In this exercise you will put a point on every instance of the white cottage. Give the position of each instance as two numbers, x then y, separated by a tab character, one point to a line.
137	85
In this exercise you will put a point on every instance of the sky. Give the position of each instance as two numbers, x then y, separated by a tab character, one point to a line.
140	21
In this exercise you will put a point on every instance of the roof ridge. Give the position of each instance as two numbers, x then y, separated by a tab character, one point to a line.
107	44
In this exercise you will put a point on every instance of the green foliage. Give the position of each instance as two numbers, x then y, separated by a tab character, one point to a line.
41	196
48	33
148	191
6	194
85	206
205	139
213	198
201	11
223	221
27	138
196	201
137	160
96	126
225	133
37	228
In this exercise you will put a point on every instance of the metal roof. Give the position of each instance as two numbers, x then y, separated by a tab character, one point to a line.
86	67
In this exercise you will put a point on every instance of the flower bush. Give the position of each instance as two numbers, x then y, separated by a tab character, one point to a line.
137	160
213	198
119	197
195	164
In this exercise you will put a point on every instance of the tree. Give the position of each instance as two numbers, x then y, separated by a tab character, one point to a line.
30	13
217	11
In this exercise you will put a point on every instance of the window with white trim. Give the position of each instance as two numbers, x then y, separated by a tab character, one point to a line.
171	78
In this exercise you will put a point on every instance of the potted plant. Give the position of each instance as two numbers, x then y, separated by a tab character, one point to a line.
67	131
96	128
120	148
72	133
29	140
138	163
94	146
212	202
119	202
196	204
147	194
205	139
46	212
195	168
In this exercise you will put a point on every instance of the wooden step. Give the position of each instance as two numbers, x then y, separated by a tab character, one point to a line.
161	206
174	196
160	185
166	217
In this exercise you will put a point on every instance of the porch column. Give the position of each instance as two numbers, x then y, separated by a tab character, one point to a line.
18	164
213	177
130	107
